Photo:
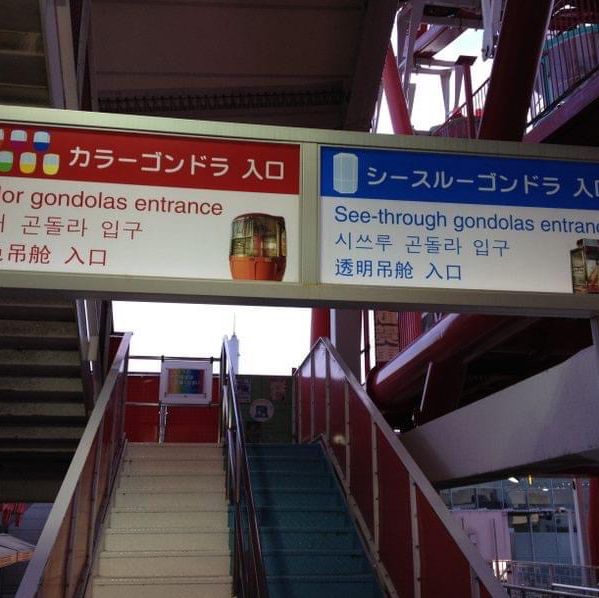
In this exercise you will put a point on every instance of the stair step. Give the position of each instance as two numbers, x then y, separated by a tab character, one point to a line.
283	480
331	586
171	451
188	539
55	309
173	467
315	539
171	521
315	562
41	409
22	362
42	388
282	450
288	464
35	334
29	431
32	448
159	587
296	498
172	501
164	563
175	483
305	517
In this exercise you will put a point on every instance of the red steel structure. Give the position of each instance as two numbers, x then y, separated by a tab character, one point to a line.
512	99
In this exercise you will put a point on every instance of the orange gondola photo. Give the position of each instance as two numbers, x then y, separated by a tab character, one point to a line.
258	247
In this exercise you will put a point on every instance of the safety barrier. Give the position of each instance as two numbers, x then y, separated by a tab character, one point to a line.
547	575
249	579
419	548
63	558
570	57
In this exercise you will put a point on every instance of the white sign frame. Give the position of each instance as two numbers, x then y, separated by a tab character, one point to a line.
309	290
183	399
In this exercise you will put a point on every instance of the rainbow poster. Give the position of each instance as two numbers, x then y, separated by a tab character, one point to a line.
185	382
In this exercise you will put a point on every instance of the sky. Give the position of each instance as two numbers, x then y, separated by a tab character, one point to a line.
272	340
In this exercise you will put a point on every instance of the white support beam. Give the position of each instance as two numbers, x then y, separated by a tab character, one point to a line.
444	80
453	22
491	11
84	27
60	55
457	86
547	423
415	20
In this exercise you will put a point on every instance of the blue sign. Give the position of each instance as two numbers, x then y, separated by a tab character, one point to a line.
458	178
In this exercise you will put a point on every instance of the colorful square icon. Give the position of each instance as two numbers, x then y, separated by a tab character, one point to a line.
27	162
6	161
41	141
51	164
18	138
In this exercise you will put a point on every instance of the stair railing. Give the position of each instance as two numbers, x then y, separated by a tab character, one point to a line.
63	558
418	547
249	578
569	59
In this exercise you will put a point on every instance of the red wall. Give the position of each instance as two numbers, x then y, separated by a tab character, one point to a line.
184	424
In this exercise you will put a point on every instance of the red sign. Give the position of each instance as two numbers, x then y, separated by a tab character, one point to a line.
72	154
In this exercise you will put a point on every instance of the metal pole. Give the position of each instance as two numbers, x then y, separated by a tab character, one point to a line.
465	63
72	534
366	332
312	399
327	386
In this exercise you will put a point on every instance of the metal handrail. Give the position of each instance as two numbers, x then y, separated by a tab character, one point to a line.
249	577
523	591
480	569
64	507
567	586
172	358
551	93
462	110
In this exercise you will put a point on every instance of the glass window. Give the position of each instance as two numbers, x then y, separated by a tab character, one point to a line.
446	497
562	524
515	496
519	523
562	494
488	498
464	498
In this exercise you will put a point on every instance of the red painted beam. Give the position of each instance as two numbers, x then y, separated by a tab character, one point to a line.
519	49
320	324
462	337
398	108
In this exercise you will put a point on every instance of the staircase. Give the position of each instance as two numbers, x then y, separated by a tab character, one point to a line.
23	75
310	546
42	412
167	534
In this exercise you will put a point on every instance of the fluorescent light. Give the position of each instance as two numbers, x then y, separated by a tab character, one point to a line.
513	480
